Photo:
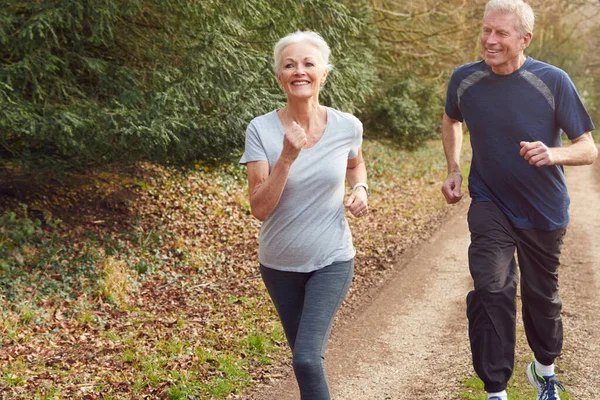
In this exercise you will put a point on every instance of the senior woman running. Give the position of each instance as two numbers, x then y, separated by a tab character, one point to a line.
298	158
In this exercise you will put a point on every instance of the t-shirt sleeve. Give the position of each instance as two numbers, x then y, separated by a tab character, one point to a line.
571	115
451	108
254	150
358	138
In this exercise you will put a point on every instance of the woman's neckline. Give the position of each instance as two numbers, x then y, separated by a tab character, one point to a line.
281	125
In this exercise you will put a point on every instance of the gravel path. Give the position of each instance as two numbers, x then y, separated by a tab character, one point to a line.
580	286
410	341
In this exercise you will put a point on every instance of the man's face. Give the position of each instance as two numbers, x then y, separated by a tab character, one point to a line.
502	45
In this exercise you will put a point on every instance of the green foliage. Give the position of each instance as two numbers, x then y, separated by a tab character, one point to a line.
175	82
102	81
407	111
32	258
15	232
427	37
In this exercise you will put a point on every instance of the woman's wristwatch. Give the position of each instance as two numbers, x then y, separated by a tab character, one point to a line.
362	185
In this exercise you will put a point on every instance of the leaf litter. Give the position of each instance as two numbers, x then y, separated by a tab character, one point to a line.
182	310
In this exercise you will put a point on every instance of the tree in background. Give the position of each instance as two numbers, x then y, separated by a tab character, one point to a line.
420	43
427	36
86	81
92	82
564	37
430	38
405	110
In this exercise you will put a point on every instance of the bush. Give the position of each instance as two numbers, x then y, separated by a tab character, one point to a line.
85	81
406	111
15	233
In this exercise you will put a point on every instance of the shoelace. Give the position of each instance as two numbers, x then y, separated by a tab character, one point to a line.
549	388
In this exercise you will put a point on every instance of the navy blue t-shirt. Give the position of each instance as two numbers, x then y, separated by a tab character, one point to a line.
532	104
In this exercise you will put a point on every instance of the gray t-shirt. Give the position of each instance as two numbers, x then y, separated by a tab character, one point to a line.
307	230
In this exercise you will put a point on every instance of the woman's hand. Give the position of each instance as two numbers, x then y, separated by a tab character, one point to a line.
293	142
357	202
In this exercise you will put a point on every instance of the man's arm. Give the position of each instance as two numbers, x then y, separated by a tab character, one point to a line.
582	151
452	136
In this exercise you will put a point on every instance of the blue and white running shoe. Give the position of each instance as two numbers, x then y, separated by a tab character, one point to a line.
546	386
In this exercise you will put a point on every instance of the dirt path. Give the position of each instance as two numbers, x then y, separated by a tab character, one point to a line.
410	341
580	285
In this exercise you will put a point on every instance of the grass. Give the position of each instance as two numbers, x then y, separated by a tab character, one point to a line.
115	285
518	386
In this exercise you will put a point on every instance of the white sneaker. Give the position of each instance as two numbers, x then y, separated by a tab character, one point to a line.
546	386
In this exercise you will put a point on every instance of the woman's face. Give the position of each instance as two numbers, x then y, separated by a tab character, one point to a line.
301	73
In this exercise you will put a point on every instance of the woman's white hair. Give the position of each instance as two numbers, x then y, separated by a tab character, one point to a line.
524	12
312	38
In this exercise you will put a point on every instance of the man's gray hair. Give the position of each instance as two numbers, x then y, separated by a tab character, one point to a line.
309	37
524	12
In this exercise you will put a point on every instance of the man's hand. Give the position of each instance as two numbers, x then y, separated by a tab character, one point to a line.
451	188
537	153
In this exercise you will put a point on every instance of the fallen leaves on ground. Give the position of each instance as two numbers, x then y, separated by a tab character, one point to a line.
196	320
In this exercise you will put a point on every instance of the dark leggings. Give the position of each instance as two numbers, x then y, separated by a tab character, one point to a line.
307	304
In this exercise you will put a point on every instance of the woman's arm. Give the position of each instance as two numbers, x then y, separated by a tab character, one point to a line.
266	189
356	172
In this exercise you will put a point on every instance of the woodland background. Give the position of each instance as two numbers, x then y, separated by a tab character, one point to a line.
127	249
